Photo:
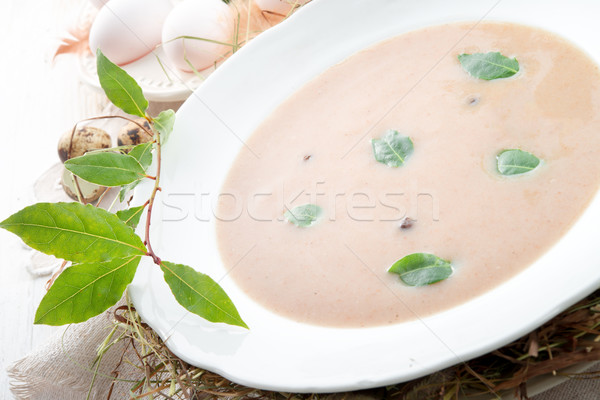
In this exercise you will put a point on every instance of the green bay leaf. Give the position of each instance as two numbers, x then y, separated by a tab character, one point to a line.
106	169
304	216
489	66
164	123
127	189
120	88
200	294
516	162
131	216
83	291
74	232
392	149
421	269
143	153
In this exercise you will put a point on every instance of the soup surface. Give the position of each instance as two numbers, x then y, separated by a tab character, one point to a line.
315	148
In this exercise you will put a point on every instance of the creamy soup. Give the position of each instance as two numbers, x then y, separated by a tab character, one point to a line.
315	148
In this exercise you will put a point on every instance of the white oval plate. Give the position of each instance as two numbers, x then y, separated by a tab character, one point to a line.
280	354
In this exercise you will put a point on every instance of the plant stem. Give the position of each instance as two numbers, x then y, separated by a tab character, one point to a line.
55	275
142	127
106	190
155	190
111	204
80	197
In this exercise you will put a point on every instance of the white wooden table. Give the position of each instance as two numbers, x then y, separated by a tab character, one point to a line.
39	100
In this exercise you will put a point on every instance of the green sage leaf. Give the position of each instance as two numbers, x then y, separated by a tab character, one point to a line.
164	123
106	169
74	232
516	162
200	294
120	88
83	291
142	153
420	269
131	216
489	66
392	149
304	216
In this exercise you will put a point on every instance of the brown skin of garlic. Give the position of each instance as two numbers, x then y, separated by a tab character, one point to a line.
83	140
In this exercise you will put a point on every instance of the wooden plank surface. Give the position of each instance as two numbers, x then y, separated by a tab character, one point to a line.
39	100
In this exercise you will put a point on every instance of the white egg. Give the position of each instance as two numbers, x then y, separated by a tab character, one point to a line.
205	19
98	3
282	7
126	30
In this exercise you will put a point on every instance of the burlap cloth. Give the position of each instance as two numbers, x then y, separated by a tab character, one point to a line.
62	369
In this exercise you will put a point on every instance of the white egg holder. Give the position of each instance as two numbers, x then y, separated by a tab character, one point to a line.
157	85
160	79
160	83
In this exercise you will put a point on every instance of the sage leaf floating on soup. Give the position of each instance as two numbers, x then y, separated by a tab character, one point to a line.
421	269
304	216
516	162
392	149
489	66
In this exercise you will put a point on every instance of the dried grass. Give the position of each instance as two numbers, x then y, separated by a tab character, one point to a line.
571	338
